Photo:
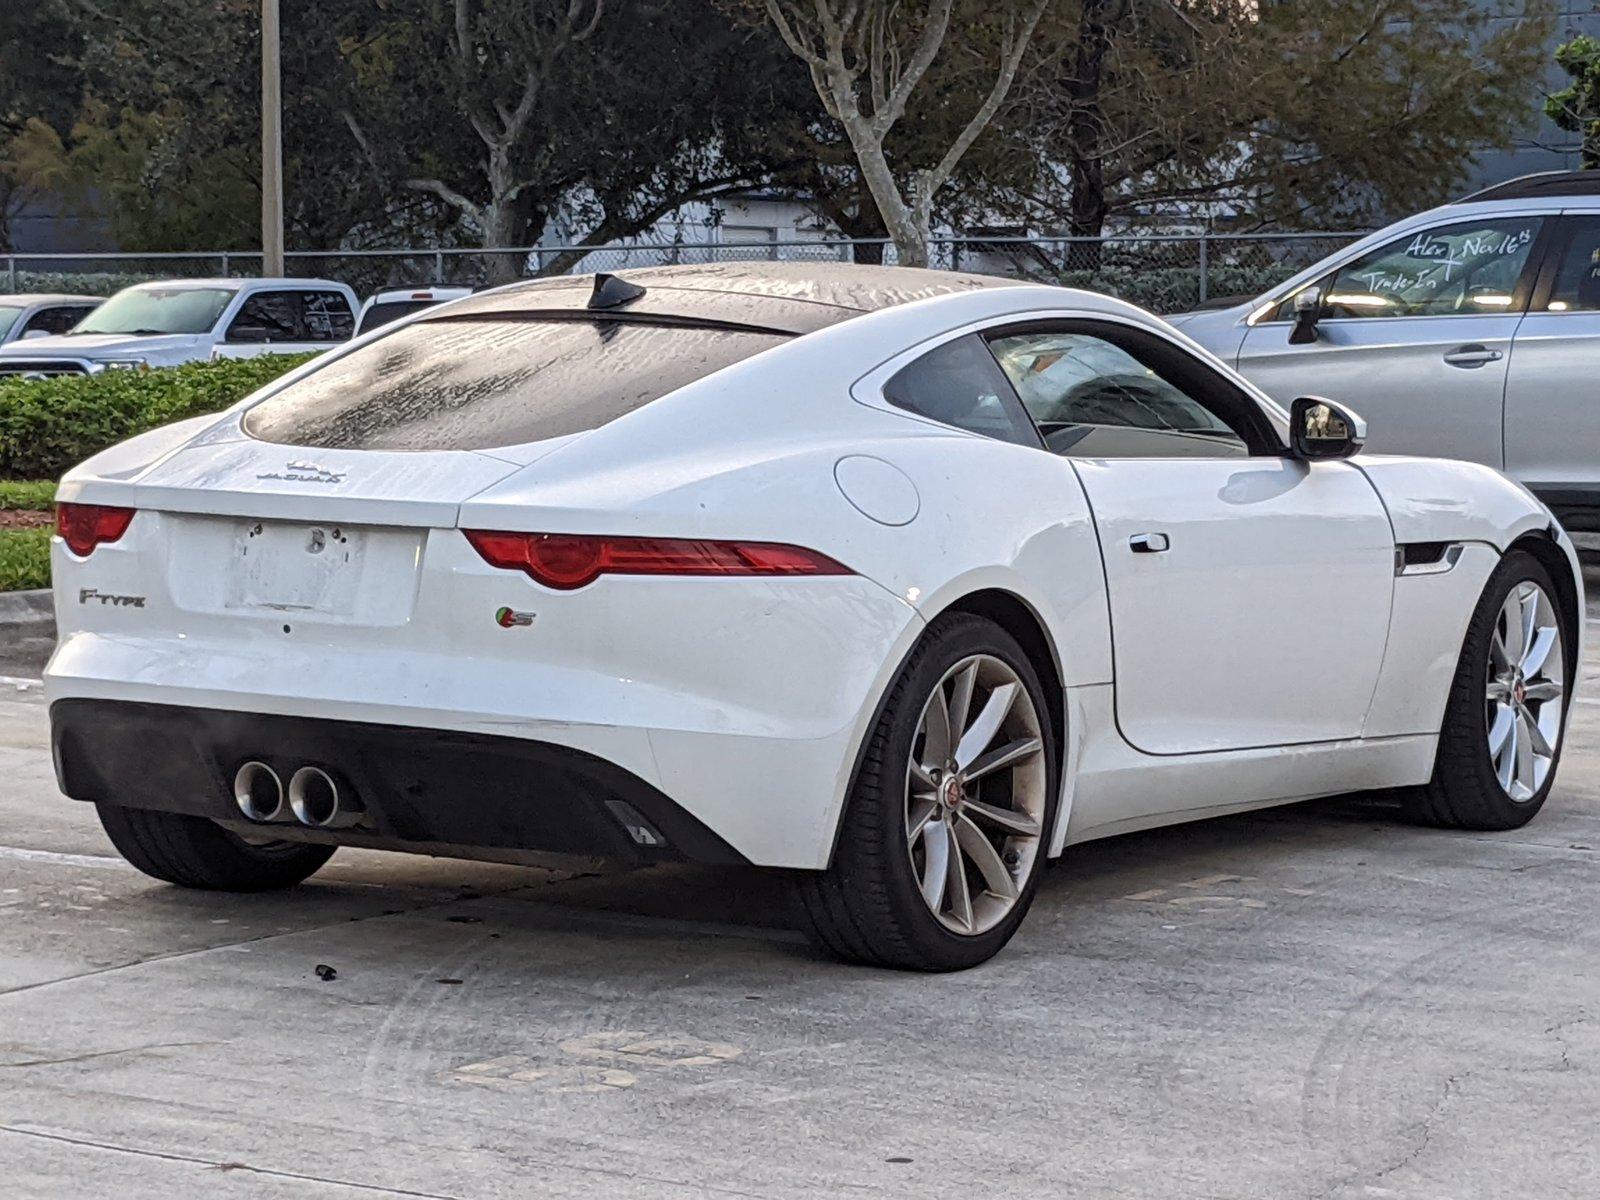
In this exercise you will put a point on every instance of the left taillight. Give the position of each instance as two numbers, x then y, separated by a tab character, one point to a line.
565	561
84	526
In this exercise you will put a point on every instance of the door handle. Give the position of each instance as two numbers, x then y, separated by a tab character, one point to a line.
1472	356
1148	543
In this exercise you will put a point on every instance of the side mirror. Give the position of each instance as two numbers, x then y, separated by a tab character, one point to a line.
1307	308
1320	428
35	333
249	333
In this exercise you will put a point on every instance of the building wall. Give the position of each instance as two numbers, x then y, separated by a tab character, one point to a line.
1543	147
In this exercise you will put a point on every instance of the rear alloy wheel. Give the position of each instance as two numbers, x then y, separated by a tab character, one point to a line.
196	853
944	835
975	795
1503	725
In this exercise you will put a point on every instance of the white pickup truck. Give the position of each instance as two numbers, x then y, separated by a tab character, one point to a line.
188	320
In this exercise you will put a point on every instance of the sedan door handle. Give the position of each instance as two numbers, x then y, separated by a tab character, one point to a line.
1148	543
1472	356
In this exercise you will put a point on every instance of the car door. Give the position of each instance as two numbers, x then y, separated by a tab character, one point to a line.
1552	421
1414	335
1249	592
56	318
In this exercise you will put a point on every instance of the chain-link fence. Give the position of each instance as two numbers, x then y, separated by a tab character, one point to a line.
1163	272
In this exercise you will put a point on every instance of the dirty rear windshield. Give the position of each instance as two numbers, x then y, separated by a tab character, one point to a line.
474	385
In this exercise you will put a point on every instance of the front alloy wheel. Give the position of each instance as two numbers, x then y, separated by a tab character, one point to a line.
1500	738
1524	698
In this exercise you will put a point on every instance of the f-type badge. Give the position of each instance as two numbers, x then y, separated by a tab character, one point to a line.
109	599
510	618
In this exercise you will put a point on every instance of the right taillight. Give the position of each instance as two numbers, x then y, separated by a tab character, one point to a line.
84	526
566	561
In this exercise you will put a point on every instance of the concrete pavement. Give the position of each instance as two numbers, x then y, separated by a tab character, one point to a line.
1312	1002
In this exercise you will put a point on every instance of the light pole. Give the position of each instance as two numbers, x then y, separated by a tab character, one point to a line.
271	143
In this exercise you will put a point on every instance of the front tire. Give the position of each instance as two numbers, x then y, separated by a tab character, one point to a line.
944	832
1500	742
196	853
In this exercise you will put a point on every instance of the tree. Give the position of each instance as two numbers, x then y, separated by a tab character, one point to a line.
607	113
1576	107
1285	113
867	61
40	86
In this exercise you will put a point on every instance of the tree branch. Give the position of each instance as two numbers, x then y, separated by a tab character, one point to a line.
1012	59
448	194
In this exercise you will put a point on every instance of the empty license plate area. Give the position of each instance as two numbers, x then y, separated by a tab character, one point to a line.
347	573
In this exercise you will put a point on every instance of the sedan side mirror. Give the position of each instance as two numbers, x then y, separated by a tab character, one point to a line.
1320	428
1307	308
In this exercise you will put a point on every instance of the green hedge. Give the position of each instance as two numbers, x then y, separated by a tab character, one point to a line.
47	425
24	559
27	497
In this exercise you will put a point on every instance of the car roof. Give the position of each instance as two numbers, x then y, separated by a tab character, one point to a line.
1541	186
786	297
20	299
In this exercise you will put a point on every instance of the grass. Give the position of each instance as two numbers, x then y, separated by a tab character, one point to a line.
32	497
24	559
25	553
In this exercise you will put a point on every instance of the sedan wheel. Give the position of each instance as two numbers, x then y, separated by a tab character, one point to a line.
975	794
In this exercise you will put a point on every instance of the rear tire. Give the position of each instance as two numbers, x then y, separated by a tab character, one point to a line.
911	884
197	853
1507	705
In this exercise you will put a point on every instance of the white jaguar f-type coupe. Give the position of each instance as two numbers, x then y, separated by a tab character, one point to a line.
899	580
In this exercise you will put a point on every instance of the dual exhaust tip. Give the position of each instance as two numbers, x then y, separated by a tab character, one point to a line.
312	797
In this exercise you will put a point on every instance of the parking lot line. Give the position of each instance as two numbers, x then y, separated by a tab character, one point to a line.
99	862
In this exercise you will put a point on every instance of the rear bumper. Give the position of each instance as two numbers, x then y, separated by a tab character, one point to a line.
424	786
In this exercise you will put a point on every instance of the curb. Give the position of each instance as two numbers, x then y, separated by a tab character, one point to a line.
23	613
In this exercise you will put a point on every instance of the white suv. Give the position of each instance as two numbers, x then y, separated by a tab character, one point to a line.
178	321
1471	331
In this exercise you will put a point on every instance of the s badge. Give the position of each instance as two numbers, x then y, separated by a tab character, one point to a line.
510	618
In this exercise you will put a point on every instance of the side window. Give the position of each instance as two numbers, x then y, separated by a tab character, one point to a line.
267	317
1474	267
1093	398
959	384
1575	286
327	317
57	319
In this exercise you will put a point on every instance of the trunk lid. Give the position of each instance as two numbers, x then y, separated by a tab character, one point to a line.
247	478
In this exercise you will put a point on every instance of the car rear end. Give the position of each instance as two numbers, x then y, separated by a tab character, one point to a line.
304	624
387	307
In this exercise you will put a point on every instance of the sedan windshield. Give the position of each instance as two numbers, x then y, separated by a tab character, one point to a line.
8	318
155	308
